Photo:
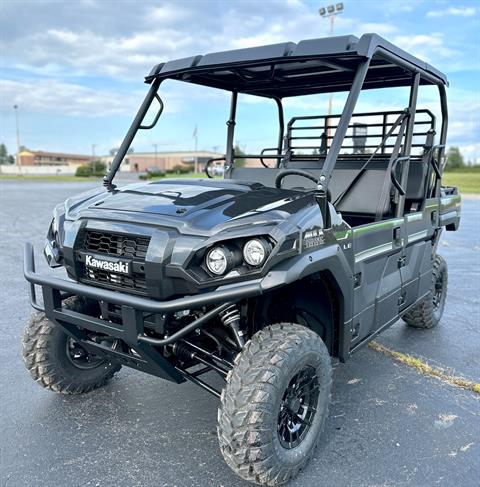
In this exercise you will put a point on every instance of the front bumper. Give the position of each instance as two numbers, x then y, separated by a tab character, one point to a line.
131	331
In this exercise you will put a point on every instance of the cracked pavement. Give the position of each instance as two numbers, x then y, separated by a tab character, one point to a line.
388	424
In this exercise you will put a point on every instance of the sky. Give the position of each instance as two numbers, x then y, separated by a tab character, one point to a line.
75	68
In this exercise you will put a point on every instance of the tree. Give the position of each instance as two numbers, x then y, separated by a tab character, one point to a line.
5	157
92	168
454	159
239	161
3	154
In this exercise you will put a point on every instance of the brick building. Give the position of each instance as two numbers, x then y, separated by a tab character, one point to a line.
141	161
28	157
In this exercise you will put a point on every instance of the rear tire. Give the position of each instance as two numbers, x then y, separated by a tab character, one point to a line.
428	313
274	406
56	362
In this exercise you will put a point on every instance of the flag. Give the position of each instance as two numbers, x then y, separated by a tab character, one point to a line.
194	135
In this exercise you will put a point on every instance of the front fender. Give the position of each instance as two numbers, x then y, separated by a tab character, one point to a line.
331	259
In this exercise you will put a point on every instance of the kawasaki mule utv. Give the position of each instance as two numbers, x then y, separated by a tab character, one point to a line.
264	276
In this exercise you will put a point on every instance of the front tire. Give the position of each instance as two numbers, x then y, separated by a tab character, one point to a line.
428	313
56	362
274	406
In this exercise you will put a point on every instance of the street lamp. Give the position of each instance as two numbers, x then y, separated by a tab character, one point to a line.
19	163
94	162
330	12
156	152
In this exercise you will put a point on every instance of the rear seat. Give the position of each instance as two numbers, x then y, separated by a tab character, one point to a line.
363	198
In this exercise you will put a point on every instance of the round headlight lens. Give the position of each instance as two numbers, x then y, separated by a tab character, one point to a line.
255	252
216	261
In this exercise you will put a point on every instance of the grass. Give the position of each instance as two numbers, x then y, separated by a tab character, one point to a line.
465	181
425	369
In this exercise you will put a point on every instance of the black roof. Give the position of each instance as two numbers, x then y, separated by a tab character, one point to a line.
311	66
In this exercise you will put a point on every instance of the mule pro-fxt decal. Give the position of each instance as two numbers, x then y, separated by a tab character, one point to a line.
313	237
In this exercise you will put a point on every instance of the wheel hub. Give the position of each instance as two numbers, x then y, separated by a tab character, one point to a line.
438	291
80	357
298	408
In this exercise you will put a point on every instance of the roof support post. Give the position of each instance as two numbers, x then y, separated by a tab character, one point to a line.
132	131
407	146
443	134
281	126
229	152
342	127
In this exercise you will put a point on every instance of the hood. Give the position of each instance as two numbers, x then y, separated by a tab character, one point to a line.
205	202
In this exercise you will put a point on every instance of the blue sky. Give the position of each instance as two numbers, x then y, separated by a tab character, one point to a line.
75	68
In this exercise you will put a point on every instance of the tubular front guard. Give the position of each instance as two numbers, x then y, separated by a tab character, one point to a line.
147	357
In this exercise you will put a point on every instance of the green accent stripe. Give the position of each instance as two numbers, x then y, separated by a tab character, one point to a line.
413	217
373	252
417	236
342	235
377	226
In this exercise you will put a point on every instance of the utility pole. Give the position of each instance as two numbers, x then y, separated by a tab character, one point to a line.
330	13
19	162
156	154
195	137
94	162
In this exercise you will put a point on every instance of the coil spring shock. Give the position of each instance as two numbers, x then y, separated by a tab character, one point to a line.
230	315
231	318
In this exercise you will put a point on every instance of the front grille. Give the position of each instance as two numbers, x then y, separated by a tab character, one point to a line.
129	283
116	245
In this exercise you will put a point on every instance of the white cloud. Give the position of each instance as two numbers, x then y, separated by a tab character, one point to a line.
52	96
381	28
455	11
426	47
471	152
63	54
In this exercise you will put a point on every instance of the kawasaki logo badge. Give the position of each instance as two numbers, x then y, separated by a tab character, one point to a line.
106	265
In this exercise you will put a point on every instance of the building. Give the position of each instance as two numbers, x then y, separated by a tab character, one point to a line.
164	161
28	157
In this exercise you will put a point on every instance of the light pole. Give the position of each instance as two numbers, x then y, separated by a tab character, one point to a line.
330	12
94	162
195	137
19	162
156	153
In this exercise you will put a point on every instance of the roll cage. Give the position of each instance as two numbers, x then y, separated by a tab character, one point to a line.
344	63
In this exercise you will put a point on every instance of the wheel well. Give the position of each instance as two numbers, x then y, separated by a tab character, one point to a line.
314	301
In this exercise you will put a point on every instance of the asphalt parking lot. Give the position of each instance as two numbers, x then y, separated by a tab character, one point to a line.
389	425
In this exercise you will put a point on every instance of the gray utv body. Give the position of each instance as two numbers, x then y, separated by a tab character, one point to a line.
350	250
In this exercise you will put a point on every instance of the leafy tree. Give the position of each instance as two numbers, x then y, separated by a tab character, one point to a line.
454	159
239	161
92	168
5	157
3	154
114	150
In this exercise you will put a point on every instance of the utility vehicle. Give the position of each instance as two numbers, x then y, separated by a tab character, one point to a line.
304	254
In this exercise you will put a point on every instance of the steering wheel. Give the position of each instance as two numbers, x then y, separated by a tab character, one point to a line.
293	172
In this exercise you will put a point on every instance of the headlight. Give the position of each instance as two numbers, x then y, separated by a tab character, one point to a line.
217	260
52	249
255	252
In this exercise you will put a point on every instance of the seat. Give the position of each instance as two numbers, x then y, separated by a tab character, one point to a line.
360	204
